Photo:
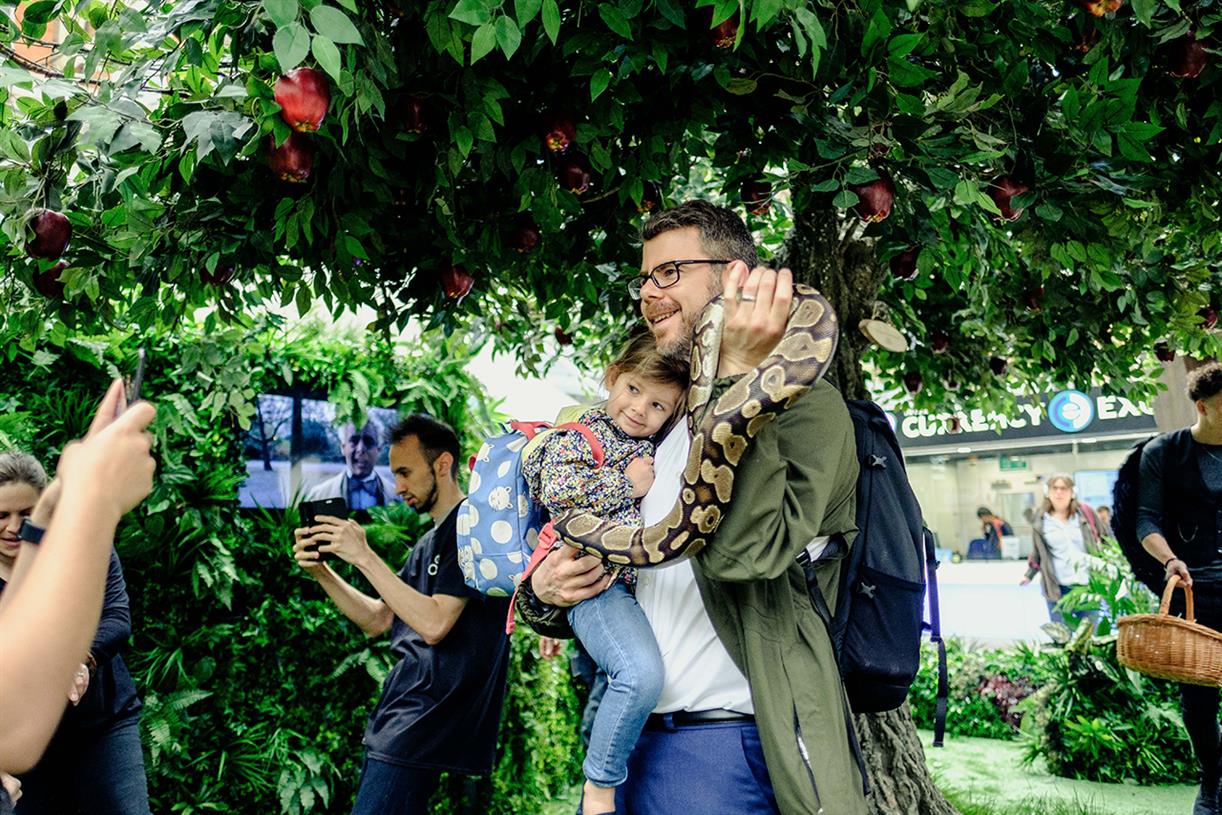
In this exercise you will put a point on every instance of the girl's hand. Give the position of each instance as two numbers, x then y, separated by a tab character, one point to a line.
640	473
549	647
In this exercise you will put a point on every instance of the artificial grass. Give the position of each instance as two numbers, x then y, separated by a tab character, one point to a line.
987	777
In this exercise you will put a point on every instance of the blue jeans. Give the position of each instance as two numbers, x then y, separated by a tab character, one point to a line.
388	789
100	774
710	769
614	629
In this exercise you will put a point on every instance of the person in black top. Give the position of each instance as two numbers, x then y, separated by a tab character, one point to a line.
1179	522
441	703
94	762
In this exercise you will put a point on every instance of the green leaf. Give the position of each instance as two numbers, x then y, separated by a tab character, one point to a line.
327	55
764	12
976	8
741	85
826	186
551	20
291	45
599	83
483	42
508	36
464	140
672	11
282	12
615	20
845	199
878	29
472	12
1144	9
334	25
526	10
350	5
941	178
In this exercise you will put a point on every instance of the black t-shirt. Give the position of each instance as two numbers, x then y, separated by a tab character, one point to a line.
441	704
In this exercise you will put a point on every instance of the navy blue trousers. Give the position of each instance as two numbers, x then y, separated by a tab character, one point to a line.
98	774
388	789
711	769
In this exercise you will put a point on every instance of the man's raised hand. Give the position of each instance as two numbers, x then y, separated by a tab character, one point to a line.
756	313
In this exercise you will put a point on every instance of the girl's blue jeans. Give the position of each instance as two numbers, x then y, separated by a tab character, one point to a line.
614	629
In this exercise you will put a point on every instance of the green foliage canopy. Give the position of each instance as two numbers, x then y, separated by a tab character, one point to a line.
148	126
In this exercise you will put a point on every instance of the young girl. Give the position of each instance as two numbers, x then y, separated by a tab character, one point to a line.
645	388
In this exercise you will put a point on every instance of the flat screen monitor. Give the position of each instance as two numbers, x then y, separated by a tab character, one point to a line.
296	450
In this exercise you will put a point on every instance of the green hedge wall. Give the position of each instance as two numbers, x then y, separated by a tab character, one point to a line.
256	689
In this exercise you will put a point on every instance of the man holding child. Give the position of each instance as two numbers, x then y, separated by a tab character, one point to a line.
753	716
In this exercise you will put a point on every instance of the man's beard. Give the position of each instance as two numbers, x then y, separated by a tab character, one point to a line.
681	346
430	500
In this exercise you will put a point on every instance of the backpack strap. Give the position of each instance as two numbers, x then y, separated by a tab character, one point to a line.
532	429
935	636
596	446
547	540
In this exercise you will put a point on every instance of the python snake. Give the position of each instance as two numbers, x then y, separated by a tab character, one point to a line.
721	433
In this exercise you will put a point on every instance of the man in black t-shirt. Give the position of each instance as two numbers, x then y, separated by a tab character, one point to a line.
441	703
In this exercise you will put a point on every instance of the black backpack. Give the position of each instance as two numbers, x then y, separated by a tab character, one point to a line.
1124	521
876	628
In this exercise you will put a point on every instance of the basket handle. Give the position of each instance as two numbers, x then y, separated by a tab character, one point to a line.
1189	612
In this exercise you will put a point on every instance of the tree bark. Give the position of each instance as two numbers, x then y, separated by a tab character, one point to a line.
846	272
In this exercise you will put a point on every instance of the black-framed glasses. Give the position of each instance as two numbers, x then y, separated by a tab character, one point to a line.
664	275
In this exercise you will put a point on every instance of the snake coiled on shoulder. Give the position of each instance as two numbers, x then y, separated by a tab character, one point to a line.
721	433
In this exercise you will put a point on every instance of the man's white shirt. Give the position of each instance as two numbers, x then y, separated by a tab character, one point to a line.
699	672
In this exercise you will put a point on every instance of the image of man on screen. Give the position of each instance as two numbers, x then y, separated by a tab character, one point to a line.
360	485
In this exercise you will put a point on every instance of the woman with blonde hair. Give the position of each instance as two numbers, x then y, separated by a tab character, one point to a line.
1064	531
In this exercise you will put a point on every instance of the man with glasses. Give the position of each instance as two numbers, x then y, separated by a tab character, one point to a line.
753	716
359	484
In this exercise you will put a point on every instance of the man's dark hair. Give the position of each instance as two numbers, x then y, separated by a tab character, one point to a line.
435	438
1205	382
980	513
722	233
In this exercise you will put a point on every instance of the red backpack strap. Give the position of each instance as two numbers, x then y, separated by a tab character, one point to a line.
596	446
547	539
529	429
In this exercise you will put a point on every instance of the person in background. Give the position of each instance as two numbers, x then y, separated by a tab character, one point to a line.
94	762
994	528
1063	532
1179	504
441	702
1104	515
64	552
360	485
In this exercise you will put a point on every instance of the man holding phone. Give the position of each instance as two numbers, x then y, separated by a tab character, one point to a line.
441	703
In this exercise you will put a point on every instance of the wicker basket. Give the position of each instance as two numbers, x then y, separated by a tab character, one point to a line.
1167	647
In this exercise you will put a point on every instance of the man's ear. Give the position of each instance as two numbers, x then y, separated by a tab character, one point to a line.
443	465
729	268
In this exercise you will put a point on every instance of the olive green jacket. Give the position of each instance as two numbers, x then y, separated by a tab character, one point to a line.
797	481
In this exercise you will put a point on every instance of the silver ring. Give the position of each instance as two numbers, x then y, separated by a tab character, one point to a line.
746	298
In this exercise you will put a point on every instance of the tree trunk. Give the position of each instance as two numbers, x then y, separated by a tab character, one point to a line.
848	275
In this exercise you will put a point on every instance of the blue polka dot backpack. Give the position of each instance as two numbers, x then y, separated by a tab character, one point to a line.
500	525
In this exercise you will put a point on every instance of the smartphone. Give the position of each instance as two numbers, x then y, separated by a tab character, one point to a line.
137	379
311	510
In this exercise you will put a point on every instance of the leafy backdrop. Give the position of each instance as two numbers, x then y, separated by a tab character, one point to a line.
256	689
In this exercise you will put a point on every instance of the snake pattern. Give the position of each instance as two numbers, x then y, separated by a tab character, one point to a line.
721	433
